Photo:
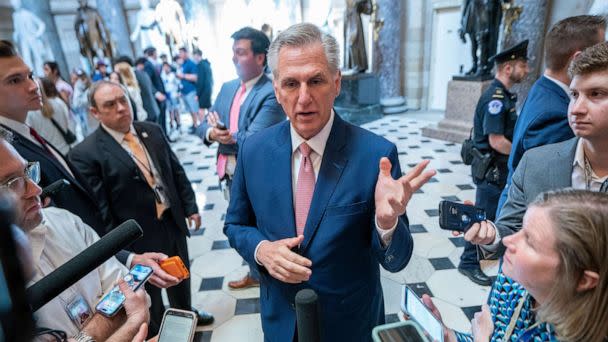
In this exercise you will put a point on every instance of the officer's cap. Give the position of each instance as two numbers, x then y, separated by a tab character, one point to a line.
519	51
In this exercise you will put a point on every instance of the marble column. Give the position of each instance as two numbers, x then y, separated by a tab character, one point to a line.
387	48
42	9
113	14
531	25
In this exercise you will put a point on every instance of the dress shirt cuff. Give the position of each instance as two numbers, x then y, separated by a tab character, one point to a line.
255	253
208	134
386	235
492	248
129	260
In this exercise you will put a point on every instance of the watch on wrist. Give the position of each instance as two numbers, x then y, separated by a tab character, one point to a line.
83	337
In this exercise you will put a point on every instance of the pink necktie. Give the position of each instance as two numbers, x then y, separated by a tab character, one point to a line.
305	188
234	127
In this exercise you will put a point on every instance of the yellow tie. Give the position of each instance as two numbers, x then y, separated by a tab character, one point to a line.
141	160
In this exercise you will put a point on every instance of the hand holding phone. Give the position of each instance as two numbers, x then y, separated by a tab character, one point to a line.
112	302
413	306
458	216
175	267
220	125
177	326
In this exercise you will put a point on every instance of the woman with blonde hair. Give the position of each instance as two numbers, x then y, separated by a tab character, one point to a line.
128	77
554	280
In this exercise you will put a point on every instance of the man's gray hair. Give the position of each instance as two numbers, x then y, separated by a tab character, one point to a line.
301	35
95	87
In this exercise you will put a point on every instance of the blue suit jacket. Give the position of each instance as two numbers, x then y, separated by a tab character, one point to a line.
259	110
340	235
543	120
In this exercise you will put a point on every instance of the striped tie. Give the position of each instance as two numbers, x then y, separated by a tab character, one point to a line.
305	188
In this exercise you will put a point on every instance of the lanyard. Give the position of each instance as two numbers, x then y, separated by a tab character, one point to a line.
513	321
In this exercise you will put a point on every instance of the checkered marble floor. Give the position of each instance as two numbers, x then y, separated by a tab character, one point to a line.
432	269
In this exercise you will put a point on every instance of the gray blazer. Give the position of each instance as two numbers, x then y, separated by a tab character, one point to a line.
541	169
260	110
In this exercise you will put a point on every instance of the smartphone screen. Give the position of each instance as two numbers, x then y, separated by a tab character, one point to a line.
403	333
176	327
112	302
417	311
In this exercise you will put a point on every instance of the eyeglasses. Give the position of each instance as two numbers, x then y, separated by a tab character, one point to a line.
18	185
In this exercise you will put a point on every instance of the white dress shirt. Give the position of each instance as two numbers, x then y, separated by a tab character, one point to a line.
561	84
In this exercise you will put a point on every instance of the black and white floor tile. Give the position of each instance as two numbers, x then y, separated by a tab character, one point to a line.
432	269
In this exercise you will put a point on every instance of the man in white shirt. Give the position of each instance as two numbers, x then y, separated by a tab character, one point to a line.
580	163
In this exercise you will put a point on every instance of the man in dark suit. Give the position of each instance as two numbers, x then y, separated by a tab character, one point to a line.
135	175
543	118
204	83
153	71
309	205
244	105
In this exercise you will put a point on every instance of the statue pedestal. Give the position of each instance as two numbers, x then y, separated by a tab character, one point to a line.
460	110
359	98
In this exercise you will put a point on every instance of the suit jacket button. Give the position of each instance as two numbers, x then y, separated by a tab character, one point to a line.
389	258
293	305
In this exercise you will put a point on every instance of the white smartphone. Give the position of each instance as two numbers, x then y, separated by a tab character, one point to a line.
413	306
177	326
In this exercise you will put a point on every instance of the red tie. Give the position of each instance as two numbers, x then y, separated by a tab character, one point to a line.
234	127
41	141
305	188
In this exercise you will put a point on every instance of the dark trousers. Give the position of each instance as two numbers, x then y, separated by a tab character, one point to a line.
486	197
162	117
179	295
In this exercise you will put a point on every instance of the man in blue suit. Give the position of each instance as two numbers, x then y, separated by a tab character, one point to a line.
309	206
543	119
243	106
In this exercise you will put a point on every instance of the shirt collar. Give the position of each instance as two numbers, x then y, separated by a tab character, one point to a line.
249	84
16	126
579	155
560	84
118	136
316	143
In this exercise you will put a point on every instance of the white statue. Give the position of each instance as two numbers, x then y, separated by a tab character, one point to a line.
147	29
170	17
600	7
28	36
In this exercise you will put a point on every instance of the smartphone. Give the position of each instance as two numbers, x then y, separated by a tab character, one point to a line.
177	326
175	267
54	188
220	125
458	216
412	305
407	331
112	302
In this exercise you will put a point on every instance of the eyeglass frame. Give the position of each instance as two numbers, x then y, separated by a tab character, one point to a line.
30	173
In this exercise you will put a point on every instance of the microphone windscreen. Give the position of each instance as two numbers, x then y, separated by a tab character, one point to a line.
82	264
307	315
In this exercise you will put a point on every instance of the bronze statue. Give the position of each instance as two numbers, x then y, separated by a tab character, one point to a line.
355	57
481	21
93	36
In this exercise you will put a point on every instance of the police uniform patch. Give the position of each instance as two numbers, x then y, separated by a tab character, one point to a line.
494	107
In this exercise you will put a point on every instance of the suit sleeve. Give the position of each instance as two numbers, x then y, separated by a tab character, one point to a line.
398	253
201	130
269	113
548	128
91	172
240	222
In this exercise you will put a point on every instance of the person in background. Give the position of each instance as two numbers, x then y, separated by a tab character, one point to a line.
51	71
554	280
101	71
150	66
130	82
187	73
53	121
204	83
80	104
172	91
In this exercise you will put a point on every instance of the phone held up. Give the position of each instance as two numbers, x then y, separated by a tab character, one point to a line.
221	125
177	326
458	216
112	302
413	306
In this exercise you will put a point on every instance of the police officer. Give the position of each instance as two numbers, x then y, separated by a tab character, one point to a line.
493	128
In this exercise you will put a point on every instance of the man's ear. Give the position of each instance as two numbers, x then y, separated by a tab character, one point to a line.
275	85
588	281
94	112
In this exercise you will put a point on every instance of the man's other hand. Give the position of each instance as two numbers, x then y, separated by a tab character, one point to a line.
159	278
282	263
392	195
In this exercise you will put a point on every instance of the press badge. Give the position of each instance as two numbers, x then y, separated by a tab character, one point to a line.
79	311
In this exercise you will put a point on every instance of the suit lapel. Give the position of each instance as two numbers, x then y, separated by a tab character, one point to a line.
334	162
114	150
148	141
280	160
563	175
246	106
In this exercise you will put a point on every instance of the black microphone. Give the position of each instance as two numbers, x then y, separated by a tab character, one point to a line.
308	316
82	264
54	188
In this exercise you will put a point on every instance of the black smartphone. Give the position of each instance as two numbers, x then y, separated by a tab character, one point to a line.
112	302
177	326
221	125
458	216
54	188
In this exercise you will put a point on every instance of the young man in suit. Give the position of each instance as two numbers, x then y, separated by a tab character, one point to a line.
580	163
135	175
309	205
543	118
244	105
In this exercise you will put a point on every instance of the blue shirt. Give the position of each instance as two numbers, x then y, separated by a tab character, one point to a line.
188	68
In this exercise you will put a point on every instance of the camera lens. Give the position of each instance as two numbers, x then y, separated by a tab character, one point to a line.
465	218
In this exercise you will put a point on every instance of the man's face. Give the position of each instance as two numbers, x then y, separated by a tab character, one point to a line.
19	92
183	54
103	69
113	108
248	65
520	71
306	87
29	213
47	71
588	109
